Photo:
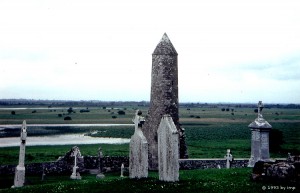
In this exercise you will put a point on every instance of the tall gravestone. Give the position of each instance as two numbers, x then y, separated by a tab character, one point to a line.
76	153
168	154
260	130
164	97
100	157
138	157
229	159
20	169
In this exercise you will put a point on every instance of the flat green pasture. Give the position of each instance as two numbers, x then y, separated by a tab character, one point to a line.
38	154
100	115
209	131
52	115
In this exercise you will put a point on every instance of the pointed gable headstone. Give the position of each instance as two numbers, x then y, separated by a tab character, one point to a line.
138	157
168	154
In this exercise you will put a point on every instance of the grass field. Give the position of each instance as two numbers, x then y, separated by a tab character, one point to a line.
209	180
209	131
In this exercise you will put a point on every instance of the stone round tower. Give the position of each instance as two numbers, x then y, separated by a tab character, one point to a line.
164	97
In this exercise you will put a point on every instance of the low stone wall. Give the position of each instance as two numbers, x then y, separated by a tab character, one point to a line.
113	163
108	163
190	164
61	167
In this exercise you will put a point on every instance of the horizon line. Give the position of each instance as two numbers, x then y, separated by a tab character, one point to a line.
138	101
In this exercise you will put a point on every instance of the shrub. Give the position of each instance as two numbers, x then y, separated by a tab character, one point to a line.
223	109
121	112
13	112
84	111
70	110
34	111
67	118
198	117
114	117
59	115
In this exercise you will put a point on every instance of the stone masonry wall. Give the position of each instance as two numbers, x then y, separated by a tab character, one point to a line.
60	167
114	164
190	164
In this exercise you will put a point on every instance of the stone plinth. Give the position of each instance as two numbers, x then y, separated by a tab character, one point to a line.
164	97
19	176
260	130
138	157
168	154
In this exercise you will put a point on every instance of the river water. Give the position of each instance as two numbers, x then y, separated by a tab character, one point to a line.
63	125
65	139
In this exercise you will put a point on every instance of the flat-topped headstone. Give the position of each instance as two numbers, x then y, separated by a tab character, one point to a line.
168	154
138	157
20	169
260	130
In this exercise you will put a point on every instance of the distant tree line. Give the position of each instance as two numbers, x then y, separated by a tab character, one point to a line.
98	103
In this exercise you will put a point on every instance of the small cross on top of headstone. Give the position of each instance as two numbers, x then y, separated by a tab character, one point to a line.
260	107
138	120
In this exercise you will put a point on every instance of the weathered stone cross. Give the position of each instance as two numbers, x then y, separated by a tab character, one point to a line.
138	120
75	175
260	107
228	158
138	154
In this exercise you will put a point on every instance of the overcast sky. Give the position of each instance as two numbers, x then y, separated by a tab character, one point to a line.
229	51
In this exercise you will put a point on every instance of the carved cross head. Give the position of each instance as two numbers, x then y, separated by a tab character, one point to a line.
138	120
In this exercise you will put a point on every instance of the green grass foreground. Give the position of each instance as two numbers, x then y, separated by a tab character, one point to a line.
209	180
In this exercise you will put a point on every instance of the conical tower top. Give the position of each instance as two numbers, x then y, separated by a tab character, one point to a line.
165	47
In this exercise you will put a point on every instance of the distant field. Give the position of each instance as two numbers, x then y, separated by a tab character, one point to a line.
209	131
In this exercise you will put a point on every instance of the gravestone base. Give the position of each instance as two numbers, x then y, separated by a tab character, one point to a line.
19	177
75	176
100	175
251	163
